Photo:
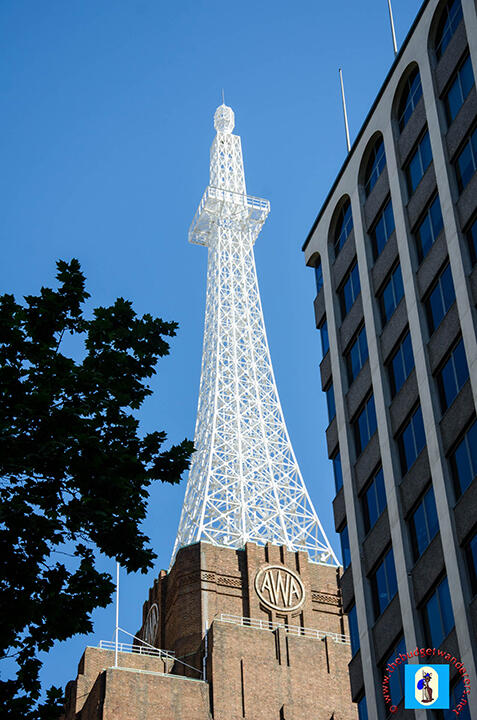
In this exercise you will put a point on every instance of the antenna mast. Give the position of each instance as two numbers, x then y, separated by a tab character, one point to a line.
244	484
345	114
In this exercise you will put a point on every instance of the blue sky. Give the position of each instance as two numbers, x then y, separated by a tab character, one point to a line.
106	124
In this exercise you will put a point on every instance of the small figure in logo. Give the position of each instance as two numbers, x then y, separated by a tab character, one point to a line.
424	685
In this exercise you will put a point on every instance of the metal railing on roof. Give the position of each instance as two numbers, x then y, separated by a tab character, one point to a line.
290	629
137	649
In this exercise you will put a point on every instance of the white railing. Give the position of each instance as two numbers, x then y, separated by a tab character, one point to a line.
291	629
136	649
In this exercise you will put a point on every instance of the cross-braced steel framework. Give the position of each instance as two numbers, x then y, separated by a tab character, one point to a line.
244	484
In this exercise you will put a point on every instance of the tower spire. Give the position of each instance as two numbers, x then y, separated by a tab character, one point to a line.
244	484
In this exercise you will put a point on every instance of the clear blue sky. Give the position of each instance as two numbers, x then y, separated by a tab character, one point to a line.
106	124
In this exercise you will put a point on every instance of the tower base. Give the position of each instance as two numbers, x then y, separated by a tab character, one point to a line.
256	633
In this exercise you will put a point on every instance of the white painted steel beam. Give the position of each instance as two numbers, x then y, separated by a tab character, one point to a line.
244	484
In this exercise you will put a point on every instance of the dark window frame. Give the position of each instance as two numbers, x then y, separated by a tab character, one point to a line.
423	523
394	281
419	155
399	354
318	276
375	166
448	24
432	215
337	473
457	84
470	552
345	547
409	99
324	337
471	235
353	629
450	361
464	445
352	278
362	354
415	424
386	220
343	227
469	145
362	708
330	402
441	593
375	492
370	422
437	286
383	596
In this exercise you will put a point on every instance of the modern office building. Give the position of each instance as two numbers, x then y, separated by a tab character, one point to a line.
394	248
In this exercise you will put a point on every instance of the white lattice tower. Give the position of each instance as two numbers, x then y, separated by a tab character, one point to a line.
244	483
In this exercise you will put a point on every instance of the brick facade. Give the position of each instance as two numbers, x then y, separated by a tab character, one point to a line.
267	673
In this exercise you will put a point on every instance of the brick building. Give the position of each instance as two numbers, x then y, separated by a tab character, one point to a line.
254	633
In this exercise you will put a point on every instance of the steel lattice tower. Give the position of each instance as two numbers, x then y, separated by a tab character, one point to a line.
244	484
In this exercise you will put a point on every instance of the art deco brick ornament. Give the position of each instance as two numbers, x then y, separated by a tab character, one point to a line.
244	484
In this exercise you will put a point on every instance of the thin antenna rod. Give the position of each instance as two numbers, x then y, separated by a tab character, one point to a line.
117	617
223	97
392	27
348	144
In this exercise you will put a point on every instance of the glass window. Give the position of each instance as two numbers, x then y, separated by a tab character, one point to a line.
391	295
318	276
374	501
466	162
418	164
456	695
396	678
362	709
451	18
458	91
337	472
429	228
353	630
345	551
382	230
375	166
401	365
464	460
471	558
411	441
350	291
452	376
325	343
365	426
357	355
438	615
440	299
410	97
472	240
383	584
330	402
423	524
343	227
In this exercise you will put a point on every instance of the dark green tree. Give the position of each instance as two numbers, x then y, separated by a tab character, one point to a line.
74	470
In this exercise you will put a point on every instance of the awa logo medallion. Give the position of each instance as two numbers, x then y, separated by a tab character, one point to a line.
279	588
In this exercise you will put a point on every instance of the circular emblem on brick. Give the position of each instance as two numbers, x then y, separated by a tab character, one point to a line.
150	626
279	588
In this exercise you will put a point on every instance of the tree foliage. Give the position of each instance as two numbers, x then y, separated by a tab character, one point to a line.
74	470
